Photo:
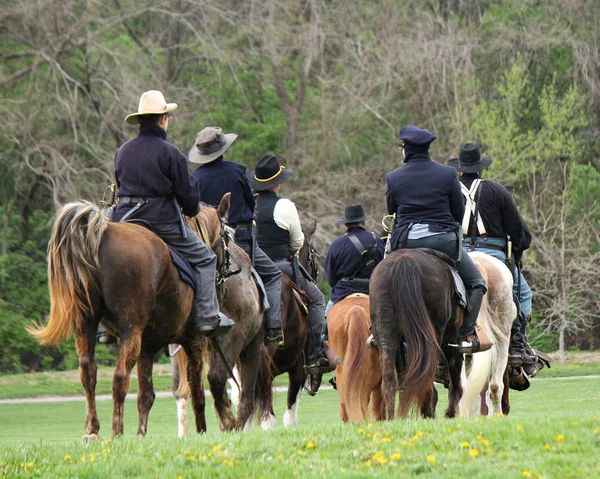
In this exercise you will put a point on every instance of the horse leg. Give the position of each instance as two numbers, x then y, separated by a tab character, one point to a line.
217	380
455	365
179	363
250	358
146	394
377	403
341	389
194	372
427	402
235	391
86	345
297	379
267	415
389	385
505	399
131	341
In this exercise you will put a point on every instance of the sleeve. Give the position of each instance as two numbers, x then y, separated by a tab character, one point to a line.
330	266
392	207
457	202
286	217
185	186
248	196
380	249
513	223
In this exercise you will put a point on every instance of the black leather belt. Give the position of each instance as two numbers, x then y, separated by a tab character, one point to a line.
483	245
243	226
138	199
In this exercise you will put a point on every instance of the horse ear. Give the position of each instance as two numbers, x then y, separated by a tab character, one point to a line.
311	227
223	208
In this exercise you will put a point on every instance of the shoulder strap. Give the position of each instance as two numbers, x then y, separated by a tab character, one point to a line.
472	216
367	253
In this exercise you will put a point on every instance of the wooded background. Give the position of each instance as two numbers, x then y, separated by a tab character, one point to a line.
325	85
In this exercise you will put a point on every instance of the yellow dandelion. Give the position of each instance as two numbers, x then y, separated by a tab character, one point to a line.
465	444
67	458
279	458
403	443
108	441
369	426
458	426
485	443
342	470
368	463
597	431
30	464
526	474
386	439
415	438
180	477
431	458
518	427
310	445
217	447
361	431
421	433
448	430
546	447
230	463
92	458
395	456
474	452
300	452
500	414
82	459
560	438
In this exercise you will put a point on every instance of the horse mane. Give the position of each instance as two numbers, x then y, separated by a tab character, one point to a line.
205	223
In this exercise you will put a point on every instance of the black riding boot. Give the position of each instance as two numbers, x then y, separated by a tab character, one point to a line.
316	361
468	342
528	354
516	350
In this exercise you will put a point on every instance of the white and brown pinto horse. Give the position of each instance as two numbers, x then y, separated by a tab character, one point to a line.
484	376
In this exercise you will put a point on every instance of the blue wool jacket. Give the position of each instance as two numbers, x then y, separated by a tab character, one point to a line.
343	259
150	167
423	191
219	177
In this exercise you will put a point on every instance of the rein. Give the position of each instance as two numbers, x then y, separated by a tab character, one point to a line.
312	260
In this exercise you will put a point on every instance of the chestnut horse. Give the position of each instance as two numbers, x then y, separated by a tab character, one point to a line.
413	301
485	370
122	274
358	376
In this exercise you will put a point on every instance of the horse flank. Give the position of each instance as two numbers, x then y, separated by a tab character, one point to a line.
73	267
357	370
421	338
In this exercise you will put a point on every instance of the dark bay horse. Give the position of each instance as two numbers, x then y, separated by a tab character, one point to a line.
243	345
122	274
413	301
358	376
289	358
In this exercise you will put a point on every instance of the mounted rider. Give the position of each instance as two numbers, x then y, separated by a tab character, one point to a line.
491	223
280	236
216	177
153	183
352	256
428	203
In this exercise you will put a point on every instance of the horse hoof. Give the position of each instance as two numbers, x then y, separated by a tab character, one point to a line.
89	437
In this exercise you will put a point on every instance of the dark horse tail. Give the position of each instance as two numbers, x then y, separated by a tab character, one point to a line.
73	269
418	331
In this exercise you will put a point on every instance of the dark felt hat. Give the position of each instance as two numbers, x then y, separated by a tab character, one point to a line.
268	173
416	136
353	214
469	159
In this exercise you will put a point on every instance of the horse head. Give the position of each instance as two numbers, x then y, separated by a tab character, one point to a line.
308	254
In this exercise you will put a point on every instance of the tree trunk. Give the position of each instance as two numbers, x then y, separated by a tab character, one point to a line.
561	341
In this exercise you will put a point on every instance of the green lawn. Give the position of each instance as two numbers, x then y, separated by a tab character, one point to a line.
553	431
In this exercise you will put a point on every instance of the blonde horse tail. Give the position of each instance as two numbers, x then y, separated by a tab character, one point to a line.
356	370
73	270
183	388
481	364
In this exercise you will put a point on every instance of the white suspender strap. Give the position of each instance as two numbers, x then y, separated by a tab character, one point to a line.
470	207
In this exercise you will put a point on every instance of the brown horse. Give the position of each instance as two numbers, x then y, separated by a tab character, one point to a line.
122	274
358	376
413	301
242	345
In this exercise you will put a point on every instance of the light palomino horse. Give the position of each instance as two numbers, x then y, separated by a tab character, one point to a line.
243	345
358	376
485	374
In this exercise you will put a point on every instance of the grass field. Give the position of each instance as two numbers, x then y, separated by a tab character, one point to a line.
553	432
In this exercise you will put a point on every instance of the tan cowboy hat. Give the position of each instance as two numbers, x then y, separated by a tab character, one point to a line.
151	103
210	144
